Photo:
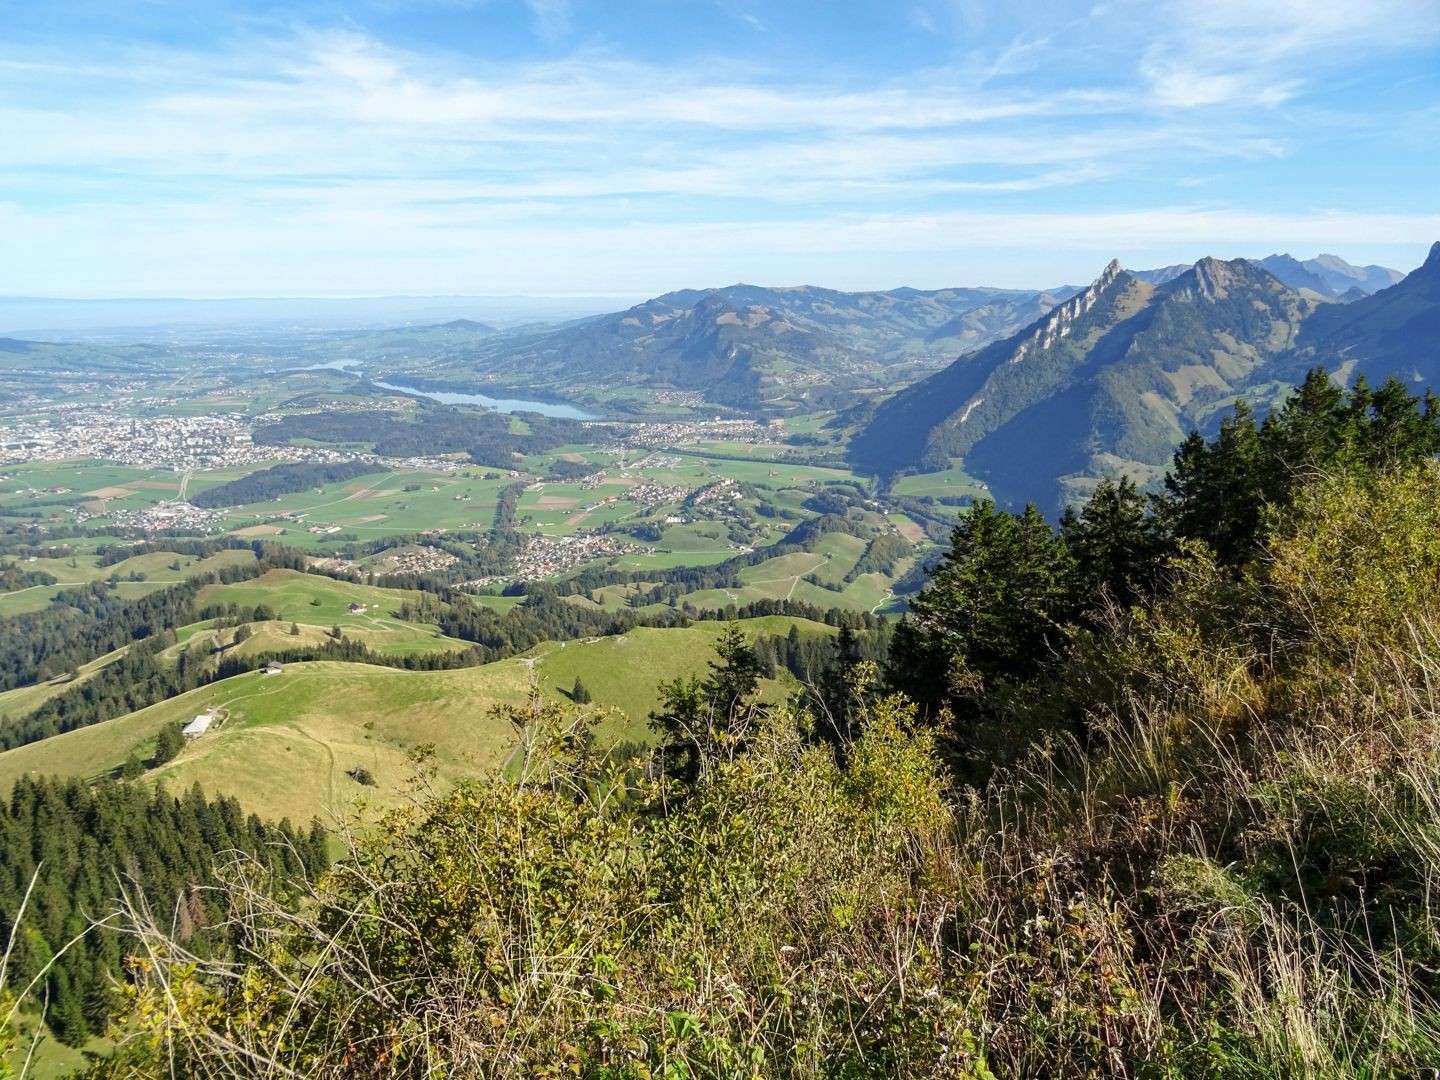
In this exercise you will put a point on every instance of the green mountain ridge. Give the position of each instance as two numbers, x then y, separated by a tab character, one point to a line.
748	346
1109	382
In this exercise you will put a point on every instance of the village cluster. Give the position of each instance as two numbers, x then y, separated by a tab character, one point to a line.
546	556
180	443
650	494
416	560
664	433
165	515
103	433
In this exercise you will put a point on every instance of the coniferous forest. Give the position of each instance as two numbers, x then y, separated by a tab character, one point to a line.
74	857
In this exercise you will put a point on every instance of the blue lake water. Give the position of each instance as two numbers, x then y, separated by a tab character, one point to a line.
333	365
504	405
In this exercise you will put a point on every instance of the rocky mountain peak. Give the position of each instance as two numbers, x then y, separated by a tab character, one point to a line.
1213	277
1432	261
1061	320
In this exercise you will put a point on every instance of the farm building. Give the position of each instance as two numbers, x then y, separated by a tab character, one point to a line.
274	667
198	726
355	609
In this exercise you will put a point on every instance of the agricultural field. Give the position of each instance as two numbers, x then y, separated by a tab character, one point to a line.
158	568
953	482
52	488
622	672
384	503
787	578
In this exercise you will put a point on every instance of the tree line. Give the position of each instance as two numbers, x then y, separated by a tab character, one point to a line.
139	678
13	578
74	848
435	429
280	480
1015	597
84	623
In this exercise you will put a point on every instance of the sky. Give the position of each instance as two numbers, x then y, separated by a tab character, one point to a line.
631	147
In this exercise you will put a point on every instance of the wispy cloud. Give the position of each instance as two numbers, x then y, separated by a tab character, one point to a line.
552	17
1262	54
323	149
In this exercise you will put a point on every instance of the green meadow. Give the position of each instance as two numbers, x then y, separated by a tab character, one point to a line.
158	568
284	744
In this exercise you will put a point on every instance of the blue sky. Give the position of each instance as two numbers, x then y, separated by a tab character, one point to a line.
561	147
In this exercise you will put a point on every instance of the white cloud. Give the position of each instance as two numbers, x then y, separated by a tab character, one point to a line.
323	161
1252	53
552	17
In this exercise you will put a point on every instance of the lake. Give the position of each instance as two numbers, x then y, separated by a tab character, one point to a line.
504	405
333	365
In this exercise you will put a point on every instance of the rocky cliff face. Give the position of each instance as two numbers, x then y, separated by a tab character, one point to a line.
1109	381
1058	324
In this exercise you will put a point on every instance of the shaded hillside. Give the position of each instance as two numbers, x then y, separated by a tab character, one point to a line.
1215	331
1395	332
945	415
1328	277
1108	382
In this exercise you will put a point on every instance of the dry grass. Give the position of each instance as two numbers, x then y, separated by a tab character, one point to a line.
1228	868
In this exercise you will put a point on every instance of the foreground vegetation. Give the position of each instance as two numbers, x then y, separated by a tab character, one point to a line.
1171	814
1152	794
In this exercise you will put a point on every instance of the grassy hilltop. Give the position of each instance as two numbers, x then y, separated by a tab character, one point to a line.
285	744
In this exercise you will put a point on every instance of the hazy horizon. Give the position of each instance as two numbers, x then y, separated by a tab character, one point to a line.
114	318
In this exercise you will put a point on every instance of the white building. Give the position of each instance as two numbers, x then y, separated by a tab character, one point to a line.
198	726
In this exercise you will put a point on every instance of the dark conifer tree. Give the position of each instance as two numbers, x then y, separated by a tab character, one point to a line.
992	610
1113	542
580	693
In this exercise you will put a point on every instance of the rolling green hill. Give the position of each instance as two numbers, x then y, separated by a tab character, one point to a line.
154	570
284	744
745	345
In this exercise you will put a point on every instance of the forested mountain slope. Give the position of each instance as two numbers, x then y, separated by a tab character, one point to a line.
744	345
1110	382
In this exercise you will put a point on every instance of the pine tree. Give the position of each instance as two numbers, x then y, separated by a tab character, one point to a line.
832	694
580	693
992	608
701	719
1113	542
736	673
168	744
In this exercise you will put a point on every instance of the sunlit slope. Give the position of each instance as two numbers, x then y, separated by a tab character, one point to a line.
286	744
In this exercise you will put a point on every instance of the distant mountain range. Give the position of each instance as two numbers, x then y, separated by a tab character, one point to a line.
1109	381
792	348
751	347
1328	277
283	319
